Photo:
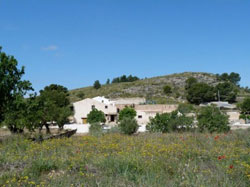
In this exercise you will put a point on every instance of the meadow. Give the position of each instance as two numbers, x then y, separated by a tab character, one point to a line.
112	159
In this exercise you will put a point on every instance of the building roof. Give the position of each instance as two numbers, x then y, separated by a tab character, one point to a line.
220	104
104	100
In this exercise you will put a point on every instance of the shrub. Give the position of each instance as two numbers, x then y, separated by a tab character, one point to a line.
127	112
245	106
159	123
128	126
167	122
185	108
180	122
95	128
114	129
212	119
167	89
96	116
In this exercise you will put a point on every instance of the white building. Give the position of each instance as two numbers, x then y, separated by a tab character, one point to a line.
84	107
145	112
104	100
111	109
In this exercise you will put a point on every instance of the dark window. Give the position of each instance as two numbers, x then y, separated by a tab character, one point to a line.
140	116
118	110
93	107
106	106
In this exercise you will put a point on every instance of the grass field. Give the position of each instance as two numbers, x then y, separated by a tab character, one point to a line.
188	159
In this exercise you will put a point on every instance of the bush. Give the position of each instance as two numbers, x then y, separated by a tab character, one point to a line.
167	122
185	108
167	89
128	126
96	116
245	109
127	112
95	128
212	119
180	122
159	123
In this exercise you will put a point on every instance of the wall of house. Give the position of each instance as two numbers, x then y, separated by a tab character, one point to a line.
145	112
143	117
234	116
84	107
129	101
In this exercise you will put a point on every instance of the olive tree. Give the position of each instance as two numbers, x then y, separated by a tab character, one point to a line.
12	92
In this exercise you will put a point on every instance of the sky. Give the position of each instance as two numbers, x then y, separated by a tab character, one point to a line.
75	42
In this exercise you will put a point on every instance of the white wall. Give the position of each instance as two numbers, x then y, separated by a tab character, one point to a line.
84	107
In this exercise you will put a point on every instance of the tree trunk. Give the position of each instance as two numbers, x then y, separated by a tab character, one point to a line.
15	130
47	129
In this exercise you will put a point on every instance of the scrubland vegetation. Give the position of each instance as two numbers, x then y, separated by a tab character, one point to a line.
112	159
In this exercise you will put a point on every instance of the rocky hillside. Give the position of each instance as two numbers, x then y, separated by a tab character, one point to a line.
151	88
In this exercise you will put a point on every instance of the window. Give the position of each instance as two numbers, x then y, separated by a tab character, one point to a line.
93	107
140	116
106	106
118	110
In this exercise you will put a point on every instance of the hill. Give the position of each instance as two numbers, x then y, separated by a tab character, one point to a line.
150	88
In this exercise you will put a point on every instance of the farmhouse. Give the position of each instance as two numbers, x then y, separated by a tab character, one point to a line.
111	109
84	107
145	112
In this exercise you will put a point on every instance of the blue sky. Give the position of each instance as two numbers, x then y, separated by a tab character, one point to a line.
75	42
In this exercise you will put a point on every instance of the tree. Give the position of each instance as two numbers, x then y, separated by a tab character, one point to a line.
224	77
199	93
128	126
167	122
167	89
127	112
12	88
124	78
160	123
54	106
96	116
227	91
234	78
189	82
245	108
212	119
97	84
14	116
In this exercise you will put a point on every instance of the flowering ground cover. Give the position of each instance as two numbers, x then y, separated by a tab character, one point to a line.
186	159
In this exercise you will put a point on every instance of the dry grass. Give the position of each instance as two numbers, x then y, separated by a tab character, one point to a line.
188	159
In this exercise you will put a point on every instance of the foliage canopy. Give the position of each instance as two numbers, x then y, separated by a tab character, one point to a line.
213	120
